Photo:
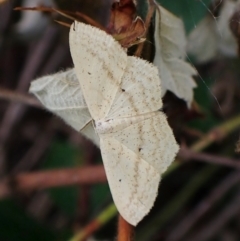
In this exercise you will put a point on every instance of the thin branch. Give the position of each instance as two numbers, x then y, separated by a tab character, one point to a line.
64	177
125	230
151	9
217	133
20	98
212	136
95	224
54	178
187	154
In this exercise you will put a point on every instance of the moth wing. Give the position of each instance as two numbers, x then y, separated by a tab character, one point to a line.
133	182
100	63
61	94
139	92
134	159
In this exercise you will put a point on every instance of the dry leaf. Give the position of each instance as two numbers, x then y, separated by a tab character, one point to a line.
176	74
61	94
124	25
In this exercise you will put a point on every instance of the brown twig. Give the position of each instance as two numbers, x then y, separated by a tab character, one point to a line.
64	177
18	97
95	224
187	154
54	178
125	230
217	133
151	9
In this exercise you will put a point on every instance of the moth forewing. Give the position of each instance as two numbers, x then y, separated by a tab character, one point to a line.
100	61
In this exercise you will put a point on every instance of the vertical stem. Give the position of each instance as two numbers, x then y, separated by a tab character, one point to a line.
125	230
151	9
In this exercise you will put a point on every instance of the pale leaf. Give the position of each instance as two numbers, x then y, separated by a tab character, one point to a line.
61	94
176	74
202	41
213	37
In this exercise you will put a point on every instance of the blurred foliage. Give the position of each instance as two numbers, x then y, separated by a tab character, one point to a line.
208	121
190	11
15	225
63	155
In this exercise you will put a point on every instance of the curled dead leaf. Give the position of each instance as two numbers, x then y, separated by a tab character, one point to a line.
124	25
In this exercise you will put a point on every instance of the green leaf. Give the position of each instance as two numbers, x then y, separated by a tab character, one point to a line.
63	155
190	11
15	225
100	193
204	98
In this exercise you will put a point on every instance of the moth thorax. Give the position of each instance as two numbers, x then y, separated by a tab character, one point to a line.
103	126
114	125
